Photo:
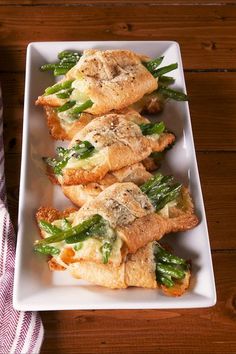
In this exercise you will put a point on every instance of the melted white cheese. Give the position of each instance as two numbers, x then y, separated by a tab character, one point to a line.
165	211
154	136
98	158
90	248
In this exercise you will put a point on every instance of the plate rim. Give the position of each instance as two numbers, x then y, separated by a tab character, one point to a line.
18	304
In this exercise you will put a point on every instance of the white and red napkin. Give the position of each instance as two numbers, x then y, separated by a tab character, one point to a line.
20	332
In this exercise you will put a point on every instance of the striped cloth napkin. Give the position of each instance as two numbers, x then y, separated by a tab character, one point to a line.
20	332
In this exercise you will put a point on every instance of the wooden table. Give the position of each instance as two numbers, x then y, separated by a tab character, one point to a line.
206	31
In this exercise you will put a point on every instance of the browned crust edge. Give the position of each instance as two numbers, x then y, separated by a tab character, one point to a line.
153	226
57	131
50	214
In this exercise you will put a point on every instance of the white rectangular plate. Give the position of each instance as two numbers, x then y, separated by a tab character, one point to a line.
35	287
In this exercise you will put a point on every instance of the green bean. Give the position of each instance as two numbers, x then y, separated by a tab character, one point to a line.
58	87
153	64
67	60
165	280
66	106
152	128
106	251
170	270
162	186
91	231
170	93
79	151
76	230
147	186
46	249
78	237
166	80
57	166
165	69
155	182
171	194
67	53
82	107
47	67
48	227
98	229
60	70
61	151
166	257
158	193
82	150
64	94
66	64
161	190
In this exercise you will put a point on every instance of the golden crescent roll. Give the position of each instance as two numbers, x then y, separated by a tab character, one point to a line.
130	218
138	270
118	142
112	79
81	193
61	129
64	129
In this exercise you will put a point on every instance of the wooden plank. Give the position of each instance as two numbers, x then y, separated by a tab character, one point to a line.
218	178
207	34
117	2
176	331
211	104
218	175
212	109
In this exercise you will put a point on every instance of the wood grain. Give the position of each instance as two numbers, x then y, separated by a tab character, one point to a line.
150	331
116	2
212	109
206	31
218	175
198	29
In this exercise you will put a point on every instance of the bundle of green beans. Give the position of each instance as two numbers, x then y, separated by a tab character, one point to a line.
95	226
77	109
161	190
64	90
166	92
170	269
164	81
80	151
67	59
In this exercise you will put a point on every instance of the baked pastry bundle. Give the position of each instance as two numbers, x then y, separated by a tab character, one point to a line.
101	82
106	144
122	209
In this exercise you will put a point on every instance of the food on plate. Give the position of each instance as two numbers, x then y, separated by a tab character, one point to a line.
120	220
150	267
66	60
101	81
108	143
105	170
98	82
81	193
65	129
137	173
